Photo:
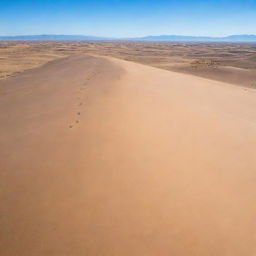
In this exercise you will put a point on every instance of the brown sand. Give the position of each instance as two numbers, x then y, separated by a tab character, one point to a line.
233	63
106	157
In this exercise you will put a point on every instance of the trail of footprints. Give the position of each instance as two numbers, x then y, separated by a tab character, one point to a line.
81	98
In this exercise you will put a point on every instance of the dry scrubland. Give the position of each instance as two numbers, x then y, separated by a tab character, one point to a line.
232	63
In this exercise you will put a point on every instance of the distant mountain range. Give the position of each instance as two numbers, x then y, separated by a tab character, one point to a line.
233	38
52	37
167	38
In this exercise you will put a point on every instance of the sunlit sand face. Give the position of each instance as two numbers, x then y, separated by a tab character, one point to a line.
101	156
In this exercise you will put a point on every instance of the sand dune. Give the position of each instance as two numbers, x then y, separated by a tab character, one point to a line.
101	156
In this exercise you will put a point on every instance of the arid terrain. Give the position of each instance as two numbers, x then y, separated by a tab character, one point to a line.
232	63
102	156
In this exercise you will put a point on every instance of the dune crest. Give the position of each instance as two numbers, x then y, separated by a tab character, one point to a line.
106	157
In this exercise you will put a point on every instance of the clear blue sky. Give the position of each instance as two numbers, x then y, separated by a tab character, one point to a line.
125	18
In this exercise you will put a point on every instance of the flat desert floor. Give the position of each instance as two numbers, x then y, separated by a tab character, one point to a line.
102	156
233	63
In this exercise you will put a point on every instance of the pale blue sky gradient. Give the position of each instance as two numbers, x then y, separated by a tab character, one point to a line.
128	18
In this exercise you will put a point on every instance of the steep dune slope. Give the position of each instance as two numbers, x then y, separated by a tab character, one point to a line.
106	157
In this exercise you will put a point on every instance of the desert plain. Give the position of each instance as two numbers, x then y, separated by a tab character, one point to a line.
233	63
127	148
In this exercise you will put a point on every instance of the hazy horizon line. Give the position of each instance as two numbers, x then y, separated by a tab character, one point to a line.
147	35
